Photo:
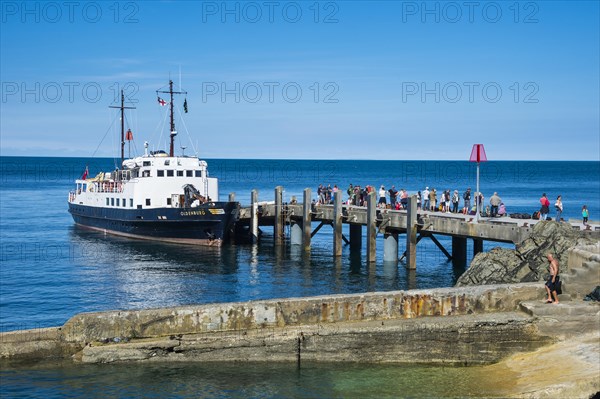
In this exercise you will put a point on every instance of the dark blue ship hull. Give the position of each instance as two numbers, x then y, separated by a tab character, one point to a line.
208	224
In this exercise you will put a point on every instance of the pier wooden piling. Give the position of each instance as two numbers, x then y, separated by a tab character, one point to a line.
337	223
411	233
390	247
279	222
371	227
477	246
306	219
295	233
459	251
355	237
254	216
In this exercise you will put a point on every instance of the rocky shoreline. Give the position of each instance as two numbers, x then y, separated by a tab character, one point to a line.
527	262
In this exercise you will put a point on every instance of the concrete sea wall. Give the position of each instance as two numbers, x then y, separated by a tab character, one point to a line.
87	327
361	327
578	256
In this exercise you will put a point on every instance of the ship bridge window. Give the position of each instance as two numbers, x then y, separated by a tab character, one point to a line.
147	201
146	173
160	173
169	173
180	173
107	201
167	162
146	163
189	173
198	173
131	202
112	202
168	201
118	202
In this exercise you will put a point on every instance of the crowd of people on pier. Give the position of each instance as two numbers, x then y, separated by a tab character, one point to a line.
447	201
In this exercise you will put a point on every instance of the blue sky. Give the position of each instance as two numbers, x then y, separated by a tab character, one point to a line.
322	80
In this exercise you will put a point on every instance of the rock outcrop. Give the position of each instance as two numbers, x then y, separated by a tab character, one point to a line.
527	263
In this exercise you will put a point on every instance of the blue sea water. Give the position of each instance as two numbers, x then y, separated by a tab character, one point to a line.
51	269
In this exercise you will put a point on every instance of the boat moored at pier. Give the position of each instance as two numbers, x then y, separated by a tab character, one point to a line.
156	196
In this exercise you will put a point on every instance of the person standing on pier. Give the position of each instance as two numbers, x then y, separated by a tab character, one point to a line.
404	198
382	201
393	195
419	200
447	200
432	199
455	200
585	214
320	194
545	207
426	198
559	207
364	193
467	199
495	202
443	202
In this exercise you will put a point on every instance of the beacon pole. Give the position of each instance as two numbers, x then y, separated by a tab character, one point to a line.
477	155
477	210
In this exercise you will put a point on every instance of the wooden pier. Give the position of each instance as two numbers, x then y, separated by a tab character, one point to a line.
412	223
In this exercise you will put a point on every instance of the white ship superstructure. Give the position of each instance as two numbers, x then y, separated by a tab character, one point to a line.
156	196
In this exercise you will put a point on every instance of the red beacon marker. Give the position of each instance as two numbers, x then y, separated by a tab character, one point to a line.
478	154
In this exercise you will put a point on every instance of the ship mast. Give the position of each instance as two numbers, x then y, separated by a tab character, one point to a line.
173	131
122	108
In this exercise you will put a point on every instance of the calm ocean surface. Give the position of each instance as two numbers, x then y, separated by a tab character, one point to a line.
51	270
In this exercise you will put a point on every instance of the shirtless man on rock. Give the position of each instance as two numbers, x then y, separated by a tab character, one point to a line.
553	281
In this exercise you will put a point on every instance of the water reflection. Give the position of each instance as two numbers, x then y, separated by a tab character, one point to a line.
411	279
149	274
337	266
116	272
356	261
390	272
97	247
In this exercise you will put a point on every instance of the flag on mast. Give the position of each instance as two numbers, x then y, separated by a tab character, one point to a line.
85	174
129	135
162	102
185	105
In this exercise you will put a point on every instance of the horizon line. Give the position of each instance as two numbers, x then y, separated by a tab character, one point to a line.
316	159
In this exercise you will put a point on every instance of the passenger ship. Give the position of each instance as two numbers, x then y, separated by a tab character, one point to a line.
157	196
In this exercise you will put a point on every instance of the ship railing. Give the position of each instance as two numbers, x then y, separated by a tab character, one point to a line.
109	187
113	188
102	186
